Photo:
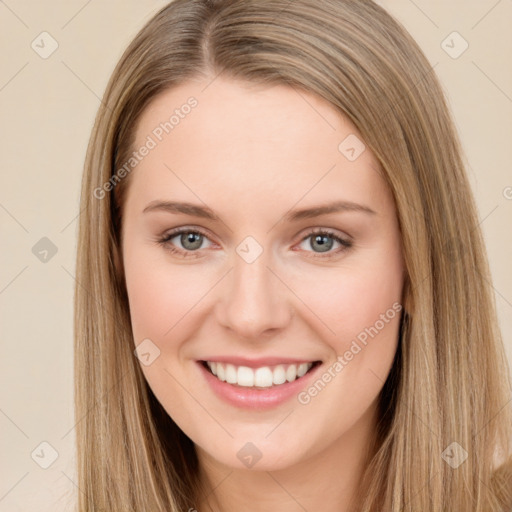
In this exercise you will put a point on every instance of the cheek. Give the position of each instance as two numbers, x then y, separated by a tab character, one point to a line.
162	300
160	294
348	301
362	310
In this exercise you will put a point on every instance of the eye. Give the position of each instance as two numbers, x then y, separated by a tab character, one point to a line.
323	240
191	241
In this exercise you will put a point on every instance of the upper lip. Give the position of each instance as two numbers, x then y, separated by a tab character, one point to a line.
257	363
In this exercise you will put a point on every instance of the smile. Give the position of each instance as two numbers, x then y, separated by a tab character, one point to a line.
261	377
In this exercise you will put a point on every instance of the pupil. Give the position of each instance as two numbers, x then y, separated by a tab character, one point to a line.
324	246
193	238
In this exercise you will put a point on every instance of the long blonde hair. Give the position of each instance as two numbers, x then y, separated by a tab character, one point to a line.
450	382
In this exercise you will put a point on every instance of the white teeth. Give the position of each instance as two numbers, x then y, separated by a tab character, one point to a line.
245	376
302	369
231	374
279	376
291	373
221	372
263	377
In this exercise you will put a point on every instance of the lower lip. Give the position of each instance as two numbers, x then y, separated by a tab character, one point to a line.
256	398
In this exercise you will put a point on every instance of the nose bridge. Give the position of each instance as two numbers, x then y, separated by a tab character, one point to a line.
254	300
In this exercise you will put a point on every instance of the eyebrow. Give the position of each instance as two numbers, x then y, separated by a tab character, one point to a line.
291	216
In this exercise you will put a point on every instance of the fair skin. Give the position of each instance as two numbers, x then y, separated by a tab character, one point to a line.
251	154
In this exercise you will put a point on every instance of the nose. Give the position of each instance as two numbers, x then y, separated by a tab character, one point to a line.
255	301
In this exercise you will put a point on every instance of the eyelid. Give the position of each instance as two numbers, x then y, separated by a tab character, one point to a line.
330	231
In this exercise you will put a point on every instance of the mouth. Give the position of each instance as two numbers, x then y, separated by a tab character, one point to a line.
262	377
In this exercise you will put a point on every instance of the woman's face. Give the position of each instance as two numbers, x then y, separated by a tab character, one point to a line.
264	281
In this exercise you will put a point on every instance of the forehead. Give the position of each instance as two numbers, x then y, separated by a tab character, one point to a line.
248	114
240	140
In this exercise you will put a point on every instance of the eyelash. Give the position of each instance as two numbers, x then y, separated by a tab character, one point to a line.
164	241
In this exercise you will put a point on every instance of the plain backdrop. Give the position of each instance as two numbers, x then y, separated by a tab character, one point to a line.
57	57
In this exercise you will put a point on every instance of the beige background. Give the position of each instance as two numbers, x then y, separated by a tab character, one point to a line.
47	111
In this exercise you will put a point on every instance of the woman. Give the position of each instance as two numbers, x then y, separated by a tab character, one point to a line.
329	338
